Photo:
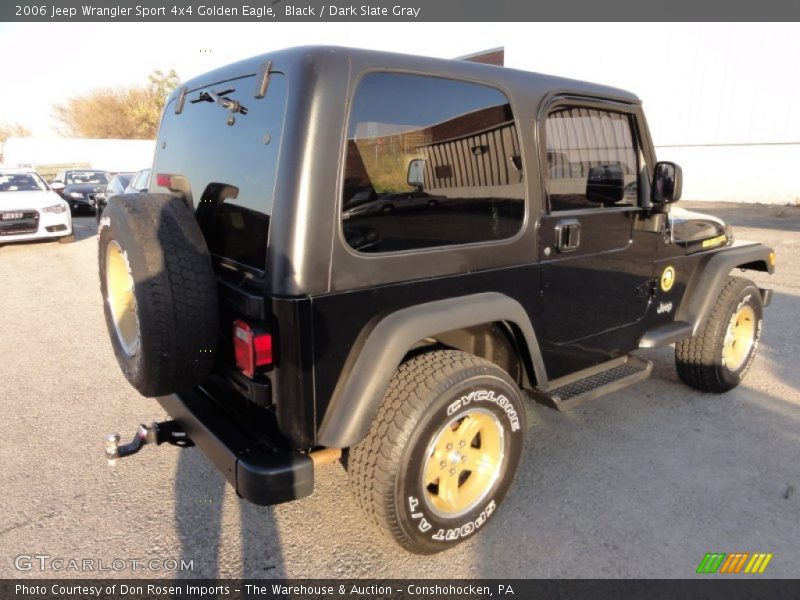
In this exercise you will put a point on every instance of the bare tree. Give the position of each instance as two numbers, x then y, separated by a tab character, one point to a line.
123	113
8	130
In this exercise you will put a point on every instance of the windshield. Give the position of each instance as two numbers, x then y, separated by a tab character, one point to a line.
21	182
84	177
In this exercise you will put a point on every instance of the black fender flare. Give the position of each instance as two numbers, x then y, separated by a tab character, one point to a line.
380	349
706	284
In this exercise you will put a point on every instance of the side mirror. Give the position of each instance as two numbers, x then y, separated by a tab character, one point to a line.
605	184
57	186
667	183
416	173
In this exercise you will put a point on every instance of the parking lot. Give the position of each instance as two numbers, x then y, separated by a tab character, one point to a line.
638	484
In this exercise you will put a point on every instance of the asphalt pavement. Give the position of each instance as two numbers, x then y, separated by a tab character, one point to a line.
641	483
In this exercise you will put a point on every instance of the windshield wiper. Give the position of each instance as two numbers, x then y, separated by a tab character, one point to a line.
219	97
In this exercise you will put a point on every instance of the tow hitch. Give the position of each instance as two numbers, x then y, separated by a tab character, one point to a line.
168	432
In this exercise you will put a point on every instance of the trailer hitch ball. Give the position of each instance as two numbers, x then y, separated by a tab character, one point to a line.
168	432
112	448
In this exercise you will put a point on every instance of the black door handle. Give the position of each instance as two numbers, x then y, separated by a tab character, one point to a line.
568	235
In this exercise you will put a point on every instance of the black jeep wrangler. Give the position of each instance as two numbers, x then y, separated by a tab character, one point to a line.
379	258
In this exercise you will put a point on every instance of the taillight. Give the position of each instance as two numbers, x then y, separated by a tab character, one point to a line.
164	180
252	349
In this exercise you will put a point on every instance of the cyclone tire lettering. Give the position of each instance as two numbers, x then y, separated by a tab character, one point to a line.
484	395
387	470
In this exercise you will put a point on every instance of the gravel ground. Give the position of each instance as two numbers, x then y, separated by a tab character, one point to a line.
638	484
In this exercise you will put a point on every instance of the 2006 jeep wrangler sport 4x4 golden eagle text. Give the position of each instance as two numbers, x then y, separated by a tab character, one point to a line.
380	257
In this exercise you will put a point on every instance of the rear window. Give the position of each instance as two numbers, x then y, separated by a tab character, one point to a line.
229	161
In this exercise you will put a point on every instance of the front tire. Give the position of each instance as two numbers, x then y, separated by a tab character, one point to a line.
718	357
442	452
67	239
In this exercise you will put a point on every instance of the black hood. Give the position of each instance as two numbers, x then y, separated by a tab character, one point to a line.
697	231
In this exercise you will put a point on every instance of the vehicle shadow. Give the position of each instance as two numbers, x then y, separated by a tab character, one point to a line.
84	227
783	310
207	512
205	506
643	482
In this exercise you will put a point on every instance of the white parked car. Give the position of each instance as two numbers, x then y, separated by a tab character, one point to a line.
30	210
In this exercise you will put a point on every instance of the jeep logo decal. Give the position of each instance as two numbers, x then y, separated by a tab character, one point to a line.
667	279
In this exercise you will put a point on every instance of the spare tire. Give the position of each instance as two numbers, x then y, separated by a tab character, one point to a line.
159	292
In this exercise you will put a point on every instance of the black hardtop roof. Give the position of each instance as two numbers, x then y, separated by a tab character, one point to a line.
318	57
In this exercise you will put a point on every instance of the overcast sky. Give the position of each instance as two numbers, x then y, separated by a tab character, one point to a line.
701	83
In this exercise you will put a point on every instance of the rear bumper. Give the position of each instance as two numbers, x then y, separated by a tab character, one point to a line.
259	471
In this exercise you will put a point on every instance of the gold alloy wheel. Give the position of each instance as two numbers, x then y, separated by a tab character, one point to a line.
121	299
739	338
463	462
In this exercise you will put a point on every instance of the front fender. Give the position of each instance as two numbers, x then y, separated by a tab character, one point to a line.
709	278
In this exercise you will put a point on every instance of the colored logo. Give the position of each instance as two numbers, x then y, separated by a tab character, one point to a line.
667	279
737	562
715	241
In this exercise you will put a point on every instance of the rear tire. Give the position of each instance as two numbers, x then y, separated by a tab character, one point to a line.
67	239
719	356
442	452
159	292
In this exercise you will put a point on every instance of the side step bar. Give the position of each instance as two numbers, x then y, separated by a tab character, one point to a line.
572	390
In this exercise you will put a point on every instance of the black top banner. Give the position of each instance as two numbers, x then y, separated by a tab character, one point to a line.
397	10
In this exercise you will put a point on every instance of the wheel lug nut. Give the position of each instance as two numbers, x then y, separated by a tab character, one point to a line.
463	458
449	446
452	471
442	465
462	443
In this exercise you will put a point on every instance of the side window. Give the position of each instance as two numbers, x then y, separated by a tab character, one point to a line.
592	159
430	162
